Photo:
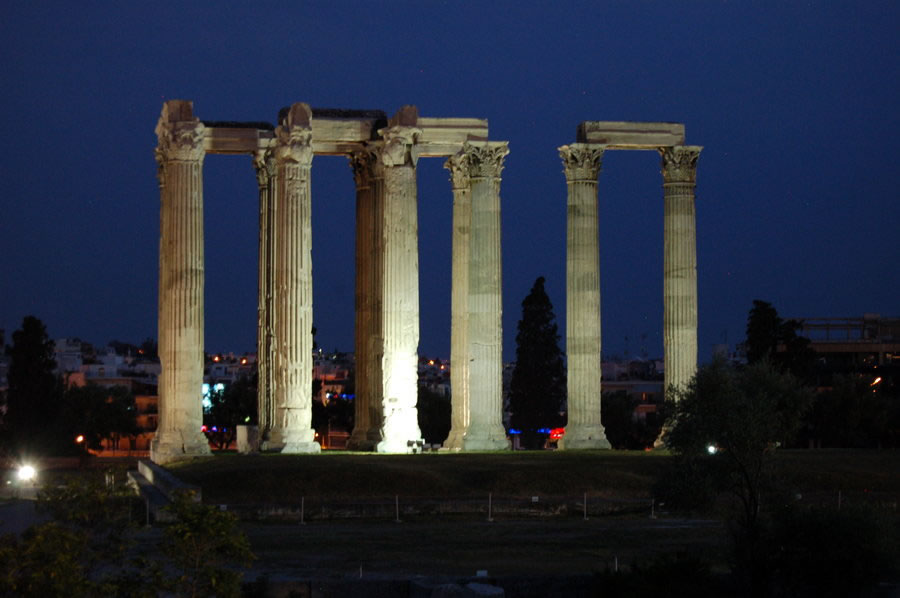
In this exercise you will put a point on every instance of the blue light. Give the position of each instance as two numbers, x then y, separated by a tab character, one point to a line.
543	430
514	431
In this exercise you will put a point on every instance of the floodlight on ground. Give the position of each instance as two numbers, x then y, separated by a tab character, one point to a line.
26	473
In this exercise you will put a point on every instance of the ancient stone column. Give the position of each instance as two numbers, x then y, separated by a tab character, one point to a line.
485	303
679	170
582	164
458	165
400	295
292	431
264	163
181	277
369	212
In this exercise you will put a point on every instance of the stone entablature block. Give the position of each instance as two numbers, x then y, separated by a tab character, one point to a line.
630	135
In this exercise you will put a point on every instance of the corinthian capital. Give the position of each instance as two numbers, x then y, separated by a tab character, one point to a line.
264	163
294	144
399	145
458	165
179	140
679	163
486	160
363	163
180	134
582	161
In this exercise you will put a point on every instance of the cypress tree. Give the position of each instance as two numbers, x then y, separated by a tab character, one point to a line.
33	397
537	391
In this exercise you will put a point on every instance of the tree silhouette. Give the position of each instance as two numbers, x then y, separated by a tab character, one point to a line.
537	390
33	396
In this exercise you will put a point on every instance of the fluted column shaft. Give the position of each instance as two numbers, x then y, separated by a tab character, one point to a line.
679	170
400	294
292	429
485	331
181	278
584	429
264	163
458	165
366	432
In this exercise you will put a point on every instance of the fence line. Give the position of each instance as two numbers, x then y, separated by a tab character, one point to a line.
400	508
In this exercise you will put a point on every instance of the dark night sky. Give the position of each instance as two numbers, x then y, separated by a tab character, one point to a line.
797	106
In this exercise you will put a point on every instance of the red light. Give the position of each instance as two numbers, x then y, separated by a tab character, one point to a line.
203	428
557	433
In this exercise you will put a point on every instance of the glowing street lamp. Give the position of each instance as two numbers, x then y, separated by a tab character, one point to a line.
27	473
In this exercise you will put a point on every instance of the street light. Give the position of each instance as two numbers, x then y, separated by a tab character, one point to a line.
26	473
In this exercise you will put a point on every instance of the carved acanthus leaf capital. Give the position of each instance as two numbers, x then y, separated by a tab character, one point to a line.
486	160
679	163
399	145
294	144
363	163
582	161
180	140
458	165
264	163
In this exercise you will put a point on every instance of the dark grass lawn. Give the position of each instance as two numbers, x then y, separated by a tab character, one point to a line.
280	479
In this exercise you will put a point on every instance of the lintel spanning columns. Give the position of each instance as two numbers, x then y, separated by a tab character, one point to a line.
584	430
387	271
181	277
583	339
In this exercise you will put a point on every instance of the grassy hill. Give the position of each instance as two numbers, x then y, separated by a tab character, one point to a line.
279	479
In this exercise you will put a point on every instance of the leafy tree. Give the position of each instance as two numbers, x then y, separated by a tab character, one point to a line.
623	430
744	414
851	414
32	400
434	416
206	548
229	408
98	414
763	331
82	551
537	390
766	332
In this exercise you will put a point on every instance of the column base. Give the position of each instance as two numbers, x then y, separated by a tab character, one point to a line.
660	442
454	441
487	438
271	441
167	447
400	446
363	440
400	432
301	448
299	442
584	437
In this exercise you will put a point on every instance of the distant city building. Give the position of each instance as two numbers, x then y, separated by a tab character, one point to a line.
434	374
336	371
853	344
